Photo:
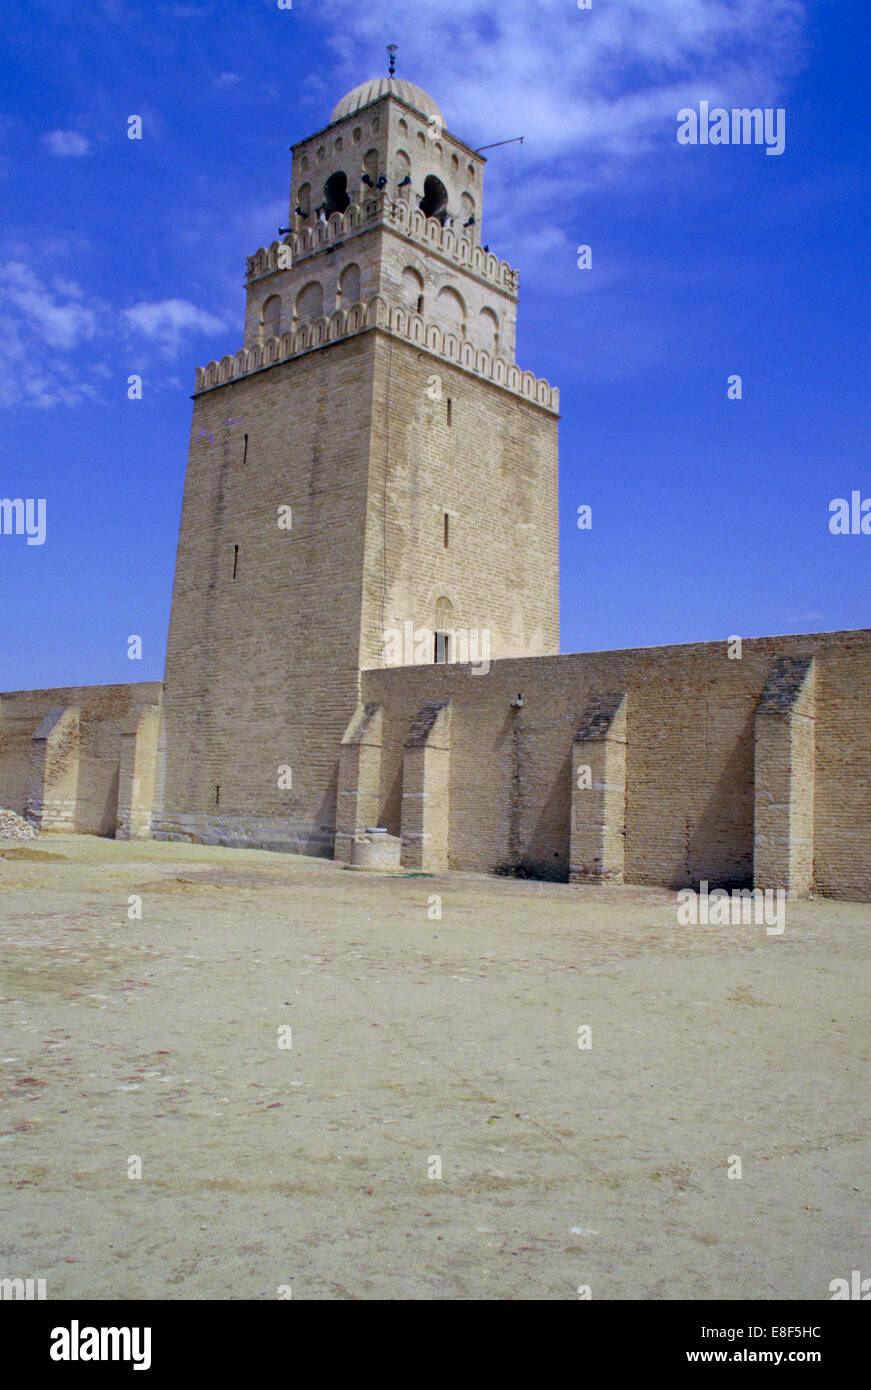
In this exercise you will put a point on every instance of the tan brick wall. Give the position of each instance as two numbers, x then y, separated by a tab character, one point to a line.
54	771
105	714
359	779
598	804
262	670
784	772
137	780
425	815
842	800
494	470
689	763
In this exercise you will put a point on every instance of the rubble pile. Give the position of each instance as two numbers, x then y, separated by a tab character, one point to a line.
12	827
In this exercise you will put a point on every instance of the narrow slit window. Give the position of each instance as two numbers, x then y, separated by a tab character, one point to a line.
235	560
444	623
217	796
447	530
420	303
245	454
450	411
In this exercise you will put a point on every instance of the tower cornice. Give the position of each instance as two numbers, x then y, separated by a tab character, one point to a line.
425	334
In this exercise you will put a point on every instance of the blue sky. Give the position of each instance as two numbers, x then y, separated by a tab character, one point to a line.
710	516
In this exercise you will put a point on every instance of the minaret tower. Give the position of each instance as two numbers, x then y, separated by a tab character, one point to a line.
371	461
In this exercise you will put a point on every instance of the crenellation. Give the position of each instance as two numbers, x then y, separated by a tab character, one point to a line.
361	318
383	212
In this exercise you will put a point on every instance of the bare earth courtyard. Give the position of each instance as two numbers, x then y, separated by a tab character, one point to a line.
414	1040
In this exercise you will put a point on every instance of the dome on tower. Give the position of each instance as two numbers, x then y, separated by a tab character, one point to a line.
368	92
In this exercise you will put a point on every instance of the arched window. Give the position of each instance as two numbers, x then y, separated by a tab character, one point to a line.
487	332
450	306
434	202
412	290
349	286
370	164
444	635
304	198
310	301
270	324
336	193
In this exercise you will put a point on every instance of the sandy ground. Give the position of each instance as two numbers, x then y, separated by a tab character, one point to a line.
307	1167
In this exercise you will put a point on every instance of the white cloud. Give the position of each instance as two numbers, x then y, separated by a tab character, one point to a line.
67	143
38	324
27	378
44	328
67	287
166	321
608	80
55	323
227	79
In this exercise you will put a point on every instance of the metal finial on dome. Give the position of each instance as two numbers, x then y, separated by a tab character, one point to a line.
391	49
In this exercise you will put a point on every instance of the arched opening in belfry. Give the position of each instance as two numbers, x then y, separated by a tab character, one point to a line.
434	202
336	197
304	198
444	634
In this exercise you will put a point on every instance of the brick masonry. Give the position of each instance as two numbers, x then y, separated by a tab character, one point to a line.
61	755
703	750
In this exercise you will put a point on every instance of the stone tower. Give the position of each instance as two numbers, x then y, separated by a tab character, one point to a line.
370	467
